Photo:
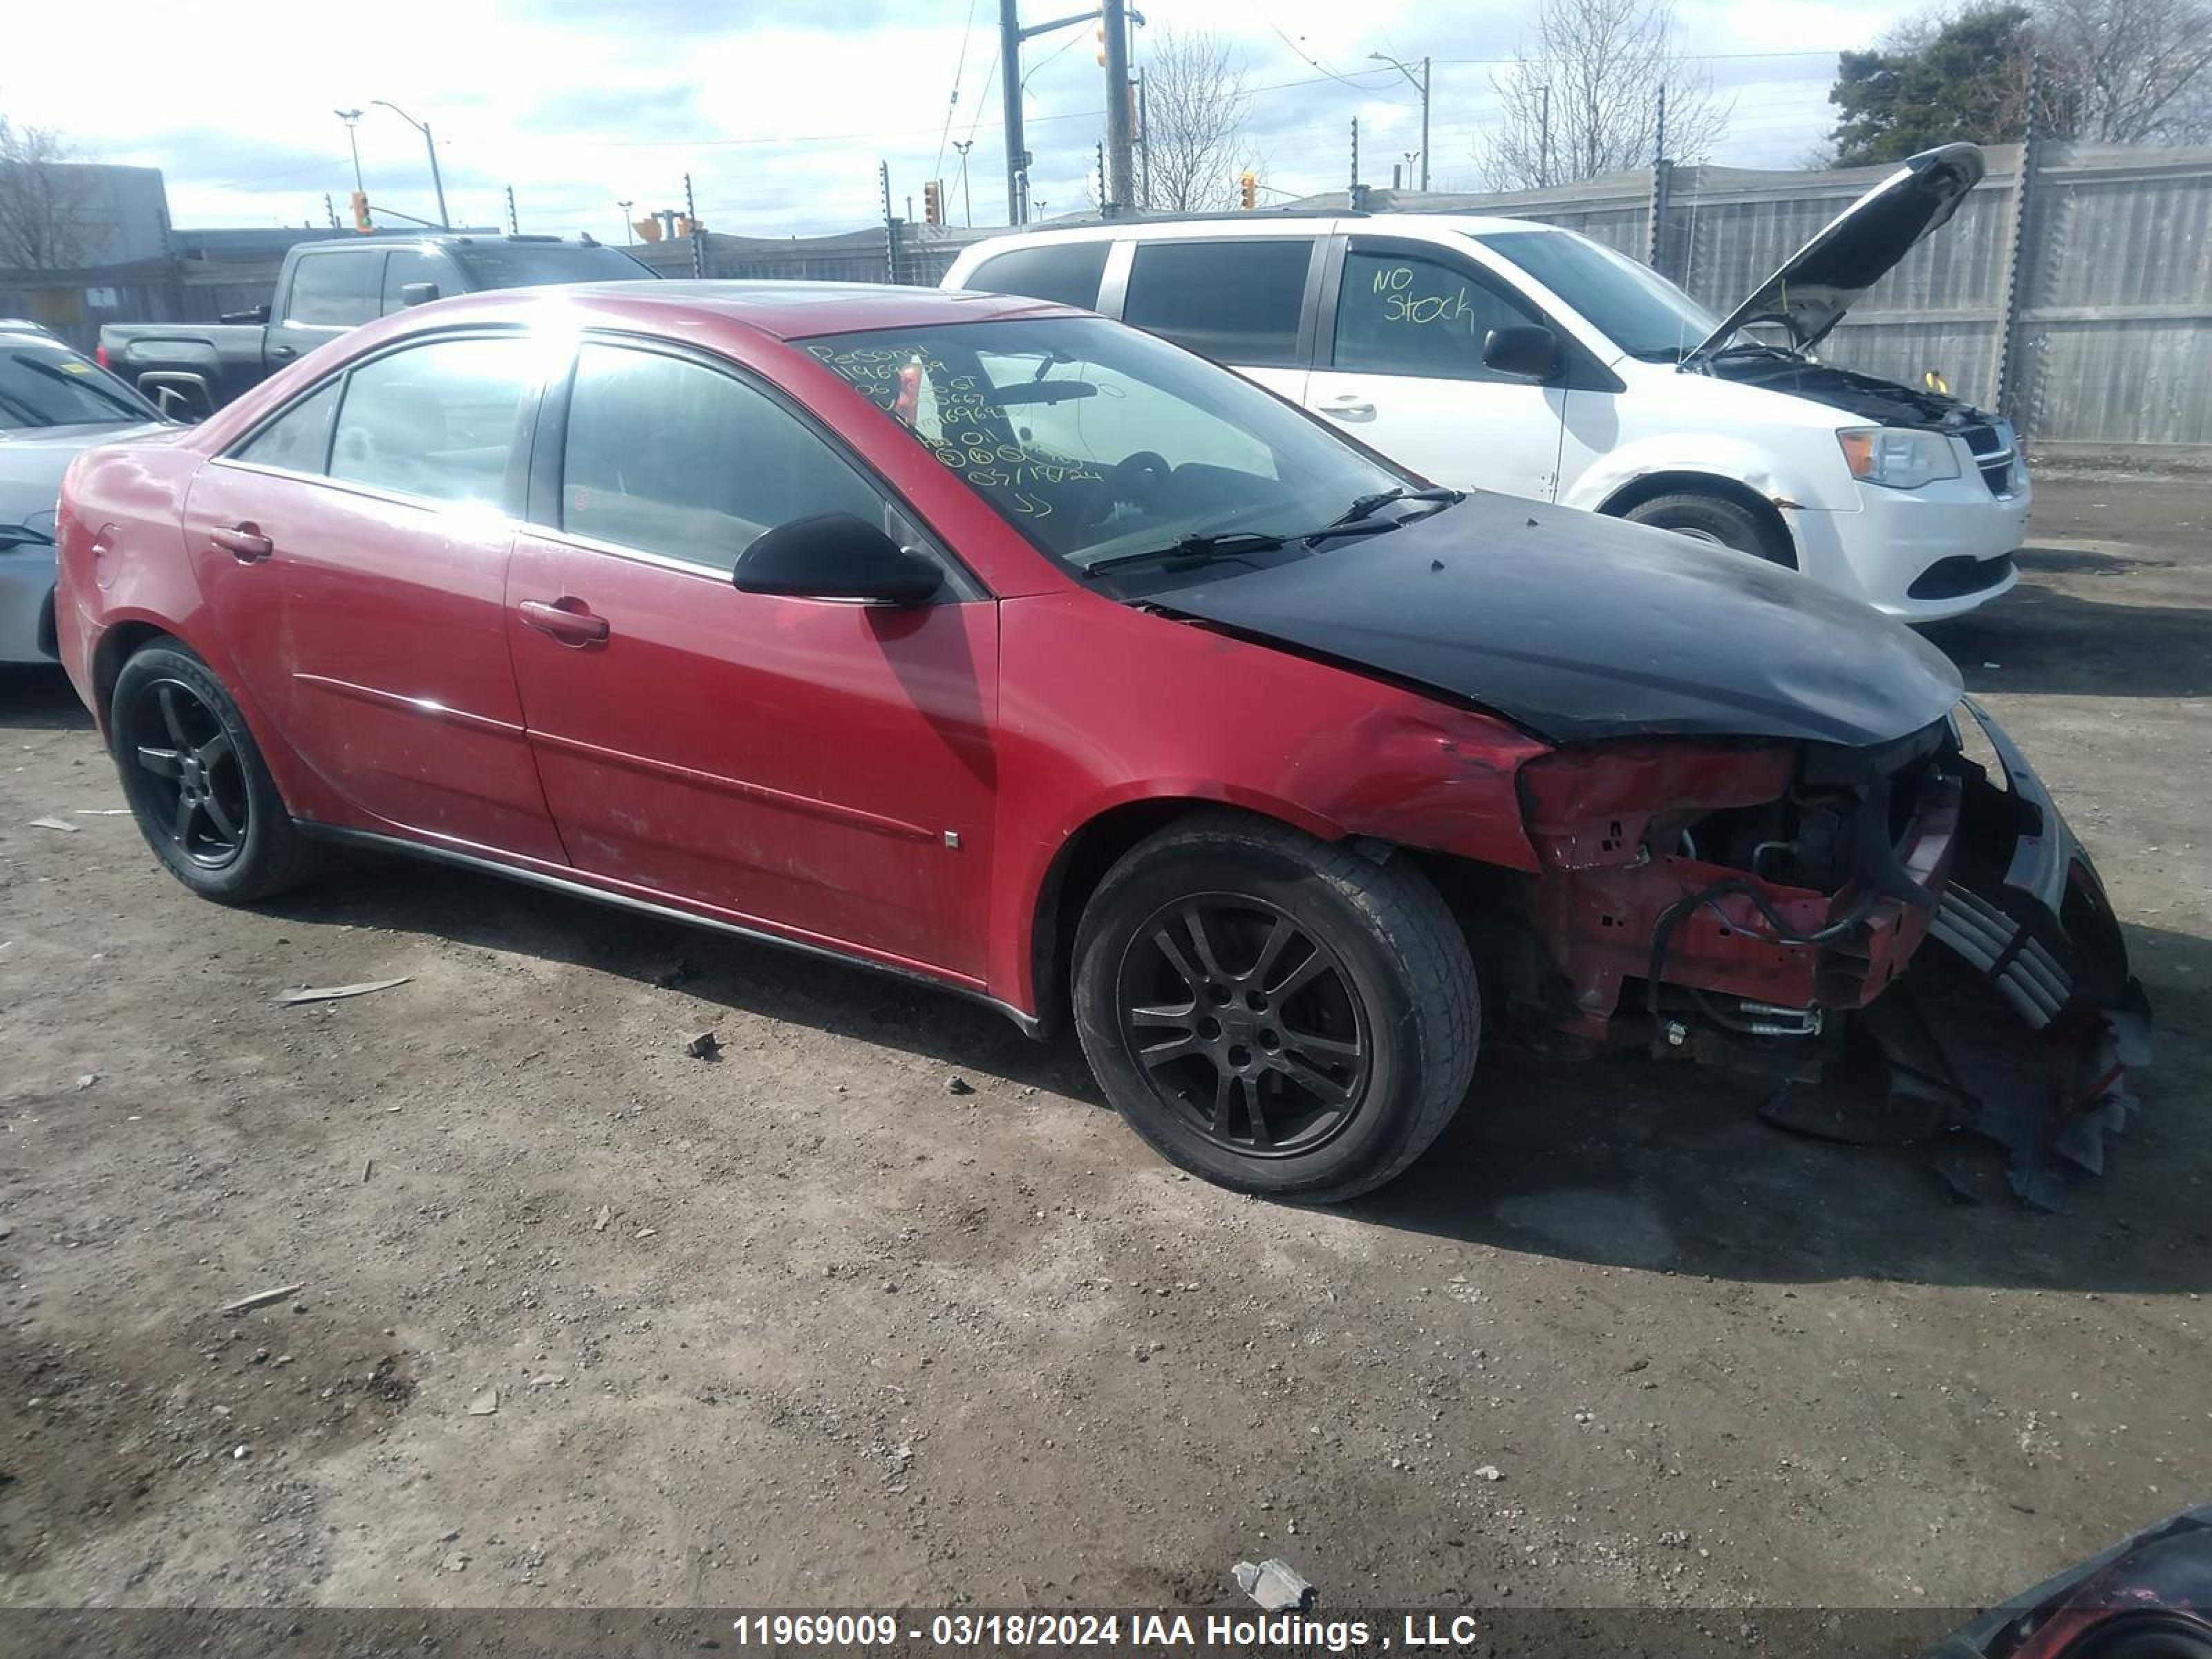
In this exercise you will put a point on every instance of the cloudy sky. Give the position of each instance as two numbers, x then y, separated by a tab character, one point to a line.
782	110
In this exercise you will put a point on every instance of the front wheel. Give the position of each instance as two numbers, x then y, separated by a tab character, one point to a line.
197	783
1276	1013
1715	521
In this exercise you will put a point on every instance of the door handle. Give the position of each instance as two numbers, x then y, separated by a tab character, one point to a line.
244	542
565	619
283	351
1347	408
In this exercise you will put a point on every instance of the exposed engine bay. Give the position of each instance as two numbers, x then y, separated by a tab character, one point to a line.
1916	910
1886	401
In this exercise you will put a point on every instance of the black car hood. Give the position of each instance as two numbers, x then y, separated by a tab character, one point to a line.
1575	627
1812	288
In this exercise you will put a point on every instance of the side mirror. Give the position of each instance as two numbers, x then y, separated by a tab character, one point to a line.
835	556
417	294
1524	349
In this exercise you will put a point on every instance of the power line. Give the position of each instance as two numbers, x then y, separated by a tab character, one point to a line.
967	30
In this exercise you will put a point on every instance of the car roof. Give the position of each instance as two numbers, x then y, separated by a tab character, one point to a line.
1214	227
781	310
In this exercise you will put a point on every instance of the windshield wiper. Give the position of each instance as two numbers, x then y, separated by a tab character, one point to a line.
1198	550
1364	506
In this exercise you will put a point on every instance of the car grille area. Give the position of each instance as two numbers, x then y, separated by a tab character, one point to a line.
1959	575
1996	457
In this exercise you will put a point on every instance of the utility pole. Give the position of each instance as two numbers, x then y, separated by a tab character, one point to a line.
1118	177
629	230
513	224
1010	71
967	207
1145	142
698	240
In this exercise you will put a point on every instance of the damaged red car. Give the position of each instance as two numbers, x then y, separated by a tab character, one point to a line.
1001	646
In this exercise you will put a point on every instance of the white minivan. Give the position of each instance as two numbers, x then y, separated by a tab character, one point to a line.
1503	355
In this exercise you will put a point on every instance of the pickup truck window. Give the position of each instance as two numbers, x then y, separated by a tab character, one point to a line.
1399	313
403	265
528	264
1235	302
299	440
43	383
436	421
337	290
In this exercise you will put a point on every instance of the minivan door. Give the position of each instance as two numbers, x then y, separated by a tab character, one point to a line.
1399	365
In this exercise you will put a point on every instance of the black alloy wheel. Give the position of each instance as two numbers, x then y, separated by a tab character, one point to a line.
1245	1024
197	783
194	782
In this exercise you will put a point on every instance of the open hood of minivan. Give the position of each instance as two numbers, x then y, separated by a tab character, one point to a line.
1817	284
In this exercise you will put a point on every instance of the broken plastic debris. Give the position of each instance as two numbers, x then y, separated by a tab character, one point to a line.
333	993
483	1402
1275	1585
62	824
705	1046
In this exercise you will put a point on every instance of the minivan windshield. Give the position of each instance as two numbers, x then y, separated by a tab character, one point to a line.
1643	313
1101	443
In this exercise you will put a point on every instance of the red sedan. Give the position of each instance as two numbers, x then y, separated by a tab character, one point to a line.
995	644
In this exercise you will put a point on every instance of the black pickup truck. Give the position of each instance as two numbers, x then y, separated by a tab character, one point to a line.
192	369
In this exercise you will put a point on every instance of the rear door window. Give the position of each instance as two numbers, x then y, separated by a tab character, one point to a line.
1401	313
299	440
1238	302
439	421
1067	273
335	290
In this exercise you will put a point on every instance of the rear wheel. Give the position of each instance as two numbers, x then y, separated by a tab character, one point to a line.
1714	519
197	783
1276	1013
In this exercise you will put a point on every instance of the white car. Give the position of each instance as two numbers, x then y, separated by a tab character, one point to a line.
1501	355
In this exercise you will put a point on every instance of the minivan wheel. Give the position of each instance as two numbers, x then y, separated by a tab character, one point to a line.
1274	1013
197	783
1714	519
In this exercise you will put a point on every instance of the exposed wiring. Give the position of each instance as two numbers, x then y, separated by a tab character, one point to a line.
1662	931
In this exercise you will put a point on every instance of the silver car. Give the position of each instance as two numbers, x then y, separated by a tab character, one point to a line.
53	403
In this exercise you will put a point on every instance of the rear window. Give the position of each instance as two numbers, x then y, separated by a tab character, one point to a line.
1236	303
43	383
530	264
1067	273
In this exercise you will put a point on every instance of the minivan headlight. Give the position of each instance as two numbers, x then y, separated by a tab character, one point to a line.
1898	458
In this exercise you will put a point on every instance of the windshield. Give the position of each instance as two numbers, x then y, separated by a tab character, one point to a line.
43	383
1097	441
533	264
1643	313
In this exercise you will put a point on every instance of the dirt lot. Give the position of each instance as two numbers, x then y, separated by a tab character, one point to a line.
808	1326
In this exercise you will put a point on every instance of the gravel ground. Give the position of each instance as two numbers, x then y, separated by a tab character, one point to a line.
583	1320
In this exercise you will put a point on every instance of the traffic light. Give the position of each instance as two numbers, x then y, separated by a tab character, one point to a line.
1248	190
1102	45
933	201
684	227
647	228
360	220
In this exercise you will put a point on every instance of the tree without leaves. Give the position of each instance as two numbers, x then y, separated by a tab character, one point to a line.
42	226
1195	104
2126	71
1586	101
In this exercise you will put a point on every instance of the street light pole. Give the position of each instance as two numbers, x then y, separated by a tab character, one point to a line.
967	207
351	116
437	183
629	230
1421	84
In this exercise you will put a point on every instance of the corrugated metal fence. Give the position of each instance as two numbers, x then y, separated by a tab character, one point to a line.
2081	306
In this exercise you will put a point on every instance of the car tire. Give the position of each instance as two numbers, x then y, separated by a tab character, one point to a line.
1321	1004
197	783
1714	519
